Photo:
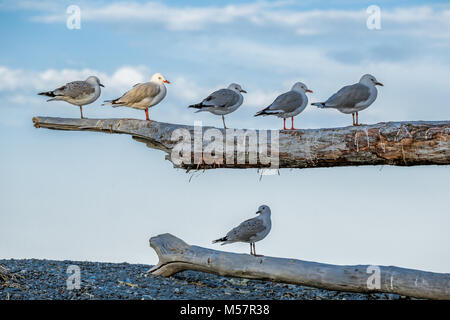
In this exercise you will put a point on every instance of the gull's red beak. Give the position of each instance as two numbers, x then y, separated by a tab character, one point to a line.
309	90
166	81
379	84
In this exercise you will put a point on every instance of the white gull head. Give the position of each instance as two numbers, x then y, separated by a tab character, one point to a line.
300	87
158	78
369	80
94	81
237	88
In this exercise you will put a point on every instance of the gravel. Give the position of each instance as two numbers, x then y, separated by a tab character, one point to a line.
47	279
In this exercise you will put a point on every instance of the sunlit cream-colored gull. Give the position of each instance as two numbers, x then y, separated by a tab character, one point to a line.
288	104
250	231
222	102
143	95
353	98
79	93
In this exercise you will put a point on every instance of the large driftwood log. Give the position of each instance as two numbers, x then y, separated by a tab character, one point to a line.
175	255
388	143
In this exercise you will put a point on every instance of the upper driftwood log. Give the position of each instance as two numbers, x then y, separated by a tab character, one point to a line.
175	255
388	143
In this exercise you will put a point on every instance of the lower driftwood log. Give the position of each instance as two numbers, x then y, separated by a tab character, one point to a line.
175	255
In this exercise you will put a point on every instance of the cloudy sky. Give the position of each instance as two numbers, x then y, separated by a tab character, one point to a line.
87	196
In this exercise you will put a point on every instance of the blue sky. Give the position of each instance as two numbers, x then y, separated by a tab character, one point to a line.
88	196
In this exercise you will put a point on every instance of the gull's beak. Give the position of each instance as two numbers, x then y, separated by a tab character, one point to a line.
166	81
379	84
101	85
307	90
243	91
259	211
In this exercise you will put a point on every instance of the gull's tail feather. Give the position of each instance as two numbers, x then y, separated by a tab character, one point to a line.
51	94
262	112
114	103
47	94
266	112
200	106
319	104
220	240
196	106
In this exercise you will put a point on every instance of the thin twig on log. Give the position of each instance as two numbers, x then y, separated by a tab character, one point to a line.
175	255
388	143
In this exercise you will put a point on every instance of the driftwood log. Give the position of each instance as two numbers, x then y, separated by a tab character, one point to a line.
388	143
175	255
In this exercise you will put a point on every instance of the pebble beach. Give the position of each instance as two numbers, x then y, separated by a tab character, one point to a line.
34	279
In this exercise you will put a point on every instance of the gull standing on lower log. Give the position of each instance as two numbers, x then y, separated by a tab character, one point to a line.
79	93
288	104
222	102
143	95
353	98
251	230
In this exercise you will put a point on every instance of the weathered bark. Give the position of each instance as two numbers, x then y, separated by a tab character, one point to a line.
175	255
388	143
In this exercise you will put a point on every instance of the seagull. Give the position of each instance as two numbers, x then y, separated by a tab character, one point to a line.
143	95
222	102
251	230
79	93
288	104
353	98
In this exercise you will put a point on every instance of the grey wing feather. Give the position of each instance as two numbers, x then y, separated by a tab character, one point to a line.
349	96
287	102
75	89
139	92
246	230
222	98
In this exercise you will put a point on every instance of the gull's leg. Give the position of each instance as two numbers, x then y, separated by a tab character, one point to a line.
223	120
284	123
353	116
292	123
81	111
357	118
146	115
254	251
251	247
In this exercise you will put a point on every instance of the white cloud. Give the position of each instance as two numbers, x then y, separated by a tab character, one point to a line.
174	18
187	90
258	98
18	79
410	20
